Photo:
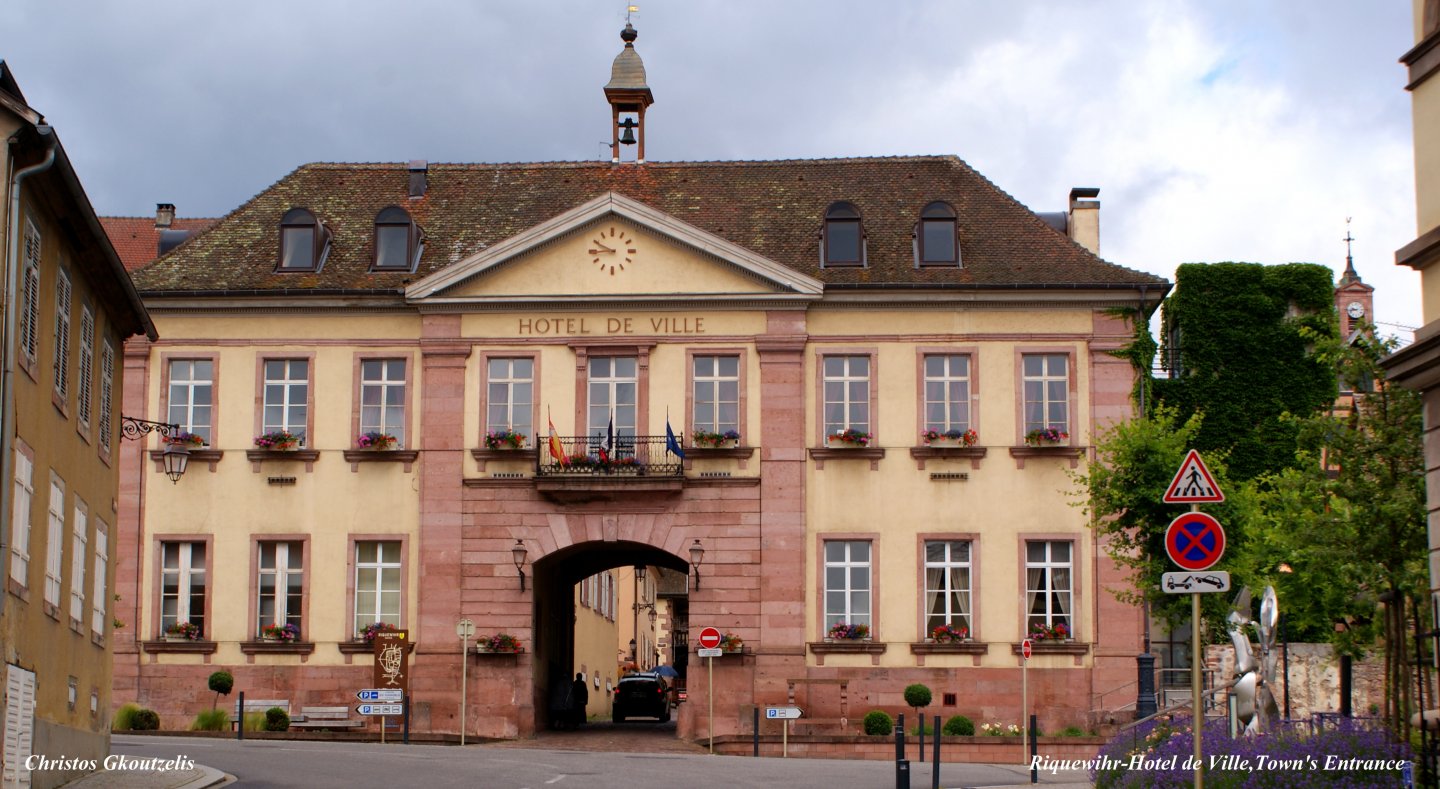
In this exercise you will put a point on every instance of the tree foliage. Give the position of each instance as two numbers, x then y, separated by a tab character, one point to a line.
1242	338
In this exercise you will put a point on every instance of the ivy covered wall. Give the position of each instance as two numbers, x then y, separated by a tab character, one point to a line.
1234	341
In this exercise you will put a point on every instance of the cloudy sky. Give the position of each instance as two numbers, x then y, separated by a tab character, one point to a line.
1215	129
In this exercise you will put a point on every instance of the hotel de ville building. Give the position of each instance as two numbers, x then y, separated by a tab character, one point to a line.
798	326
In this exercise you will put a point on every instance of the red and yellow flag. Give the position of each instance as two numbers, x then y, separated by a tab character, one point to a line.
557	449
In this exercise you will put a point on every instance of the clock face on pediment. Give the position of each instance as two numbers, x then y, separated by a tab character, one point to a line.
611	249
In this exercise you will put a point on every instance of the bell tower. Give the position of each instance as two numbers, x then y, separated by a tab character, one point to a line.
1353	298
628	96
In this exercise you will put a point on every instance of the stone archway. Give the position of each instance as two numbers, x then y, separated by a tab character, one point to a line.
555	576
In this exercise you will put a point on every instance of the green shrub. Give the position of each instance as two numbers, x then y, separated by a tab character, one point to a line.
211	720
878	723
1073	731
917	696
124	717
145	720
221	682
254	721
276	719
959	726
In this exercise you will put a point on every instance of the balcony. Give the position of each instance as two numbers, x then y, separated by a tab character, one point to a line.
637	466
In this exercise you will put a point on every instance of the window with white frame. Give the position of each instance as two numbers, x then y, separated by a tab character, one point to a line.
377	583
30	285
287	396
509	395
947	585
55	541
1048	591
947	392
614	387
192	396
281	587
716	382
79	552
107	392
20	519
85	368
847	583
382	398
1047	391
847	394
63	304
183	585
100	599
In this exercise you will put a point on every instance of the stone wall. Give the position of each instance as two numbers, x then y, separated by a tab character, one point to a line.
1314	677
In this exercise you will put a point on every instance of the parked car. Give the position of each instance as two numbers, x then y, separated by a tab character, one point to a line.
641	696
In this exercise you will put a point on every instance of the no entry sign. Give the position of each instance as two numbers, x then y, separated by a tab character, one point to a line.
1195	541
709	638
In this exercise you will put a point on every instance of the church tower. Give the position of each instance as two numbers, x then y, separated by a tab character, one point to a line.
1354	300
628	96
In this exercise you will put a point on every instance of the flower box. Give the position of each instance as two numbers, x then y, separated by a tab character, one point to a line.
949	438
505	440
945	634
286	633
848	439
848	632
182	631
731	644
706	440
187	440
1046	437
376	441
278	441
367	634
500	643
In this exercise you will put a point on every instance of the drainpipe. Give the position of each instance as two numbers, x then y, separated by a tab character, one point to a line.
10	304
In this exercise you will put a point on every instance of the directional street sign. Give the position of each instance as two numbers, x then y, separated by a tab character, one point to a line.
709	638
380	709
380	694
1195	541
1192	583
782	713
1193	483
709	652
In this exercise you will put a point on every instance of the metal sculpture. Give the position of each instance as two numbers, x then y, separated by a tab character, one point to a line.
1255	705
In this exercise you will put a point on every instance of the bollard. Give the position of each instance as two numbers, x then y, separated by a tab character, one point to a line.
902	774
1034	748
900	737
756	729
240	716
935	771
920	757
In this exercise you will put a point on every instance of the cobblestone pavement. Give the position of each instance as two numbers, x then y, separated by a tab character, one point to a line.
607	737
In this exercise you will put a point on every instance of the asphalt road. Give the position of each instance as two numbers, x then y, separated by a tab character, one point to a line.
282	763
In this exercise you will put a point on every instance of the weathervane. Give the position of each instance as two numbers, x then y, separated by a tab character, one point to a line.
631	9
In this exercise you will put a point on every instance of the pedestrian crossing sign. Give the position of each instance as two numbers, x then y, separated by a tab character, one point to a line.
1193	483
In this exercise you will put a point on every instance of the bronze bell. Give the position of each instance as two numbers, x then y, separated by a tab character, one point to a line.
627	137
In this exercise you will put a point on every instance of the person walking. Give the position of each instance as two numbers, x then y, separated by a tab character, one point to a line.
579	699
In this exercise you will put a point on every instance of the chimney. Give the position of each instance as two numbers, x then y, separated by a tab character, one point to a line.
164	215
418	170
1084	218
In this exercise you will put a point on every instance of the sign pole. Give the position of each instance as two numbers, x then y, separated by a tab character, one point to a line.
1024	699
785	740
710	700
1197	717
464	681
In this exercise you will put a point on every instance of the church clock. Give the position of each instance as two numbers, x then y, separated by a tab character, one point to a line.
611	249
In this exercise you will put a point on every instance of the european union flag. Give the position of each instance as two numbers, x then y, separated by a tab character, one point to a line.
671	443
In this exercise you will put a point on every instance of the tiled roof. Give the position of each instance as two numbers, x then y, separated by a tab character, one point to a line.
774	208
137	239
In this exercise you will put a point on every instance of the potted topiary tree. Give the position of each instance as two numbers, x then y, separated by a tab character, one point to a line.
222	682
917	697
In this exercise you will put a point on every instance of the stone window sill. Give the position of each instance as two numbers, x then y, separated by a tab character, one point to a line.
1067	452
976	649
932	452
259	457
742	454
194	647
210	457
822	454
822	648
357	456
277	647
1076	648
483	456
362	648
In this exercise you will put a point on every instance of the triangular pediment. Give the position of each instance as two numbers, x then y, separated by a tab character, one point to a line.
612	248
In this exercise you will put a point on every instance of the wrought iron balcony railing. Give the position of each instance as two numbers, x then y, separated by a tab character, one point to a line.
635	456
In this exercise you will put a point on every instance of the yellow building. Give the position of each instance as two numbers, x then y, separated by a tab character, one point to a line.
1417	366
69	308
880	372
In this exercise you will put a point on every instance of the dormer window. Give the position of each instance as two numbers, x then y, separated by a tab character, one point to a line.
304	241
843	240
936	242
398	241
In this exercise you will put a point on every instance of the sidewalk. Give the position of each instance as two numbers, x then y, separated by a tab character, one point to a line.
201	777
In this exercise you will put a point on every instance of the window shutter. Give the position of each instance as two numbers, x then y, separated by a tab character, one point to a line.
19	724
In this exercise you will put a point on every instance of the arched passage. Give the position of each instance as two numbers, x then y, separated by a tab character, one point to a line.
555	577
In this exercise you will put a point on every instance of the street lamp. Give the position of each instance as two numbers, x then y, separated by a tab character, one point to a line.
697	556
518	552
1285	645
175	458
